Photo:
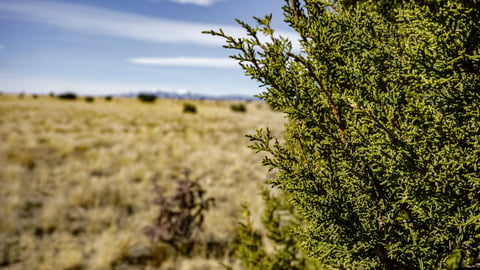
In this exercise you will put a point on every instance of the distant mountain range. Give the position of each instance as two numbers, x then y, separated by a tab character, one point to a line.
190	95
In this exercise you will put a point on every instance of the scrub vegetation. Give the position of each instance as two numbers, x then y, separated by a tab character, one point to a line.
379	167
79	180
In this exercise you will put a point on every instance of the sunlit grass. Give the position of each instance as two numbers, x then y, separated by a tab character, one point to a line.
77	178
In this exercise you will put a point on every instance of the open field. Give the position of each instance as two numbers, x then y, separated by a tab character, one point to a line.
76	178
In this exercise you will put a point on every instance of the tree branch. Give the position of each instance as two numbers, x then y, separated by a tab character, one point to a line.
328	94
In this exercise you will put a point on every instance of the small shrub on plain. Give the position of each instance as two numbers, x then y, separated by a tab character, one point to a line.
189	108
68	96
180	215
238	107
147	98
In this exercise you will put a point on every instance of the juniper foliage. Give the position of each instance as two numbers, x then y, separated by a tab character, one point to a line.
285	251
382	149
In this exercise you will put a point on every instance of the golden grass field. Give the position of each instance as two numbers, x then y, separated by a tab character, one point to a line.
76	178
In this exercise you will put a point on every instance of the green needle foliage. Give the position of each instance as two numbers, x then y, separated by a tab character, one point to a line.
382	148
279	218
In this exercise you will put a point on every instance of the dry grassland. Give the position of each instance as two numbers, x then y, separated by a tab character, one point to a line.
76	178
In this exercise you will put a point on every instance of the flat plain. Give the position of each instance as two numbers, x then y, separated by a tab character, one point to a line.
77	178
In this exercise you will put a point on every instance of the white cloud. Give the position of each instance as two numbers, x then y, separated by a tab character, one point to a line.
1	47
203	62
101	21
197	2
13	82
17	83
93	20
112	23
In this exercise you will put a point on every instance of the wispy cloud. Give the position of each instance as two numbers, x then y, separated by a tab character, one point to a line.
94	20
1	47
13	82
204	62
197	2
204	3
101	21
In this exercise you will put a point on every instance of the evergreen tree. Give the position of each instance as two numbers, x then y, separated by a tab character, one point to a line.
285	252
382	150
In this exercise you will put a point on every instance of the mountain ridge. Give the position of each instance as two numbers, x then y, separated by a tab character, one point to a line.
190	96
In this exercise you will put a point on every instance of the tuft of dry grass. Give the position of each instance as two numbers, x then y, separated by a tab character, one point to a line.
76	183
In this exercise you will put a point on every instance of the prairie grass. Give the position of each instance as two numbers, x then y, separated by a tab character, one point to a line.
76	182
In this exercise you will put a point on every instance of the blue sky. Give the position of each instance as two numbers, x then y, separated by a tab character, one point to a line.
117	46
